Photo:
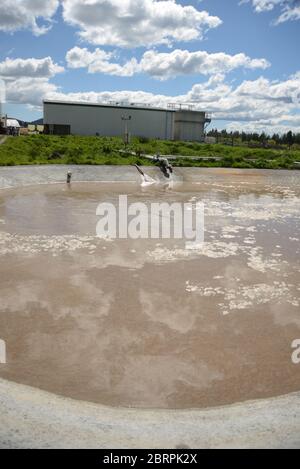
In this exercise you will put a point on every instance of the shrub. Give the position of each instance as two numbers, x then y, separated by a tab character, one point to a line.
143	140
227	161
174	150
106	149
54	156
34	152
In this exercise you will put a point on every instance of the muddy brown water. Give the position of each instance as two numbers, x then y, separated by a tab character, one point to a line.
144	323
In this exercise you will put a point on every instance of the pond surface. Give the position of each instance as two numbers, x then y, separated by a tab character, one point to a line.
148	323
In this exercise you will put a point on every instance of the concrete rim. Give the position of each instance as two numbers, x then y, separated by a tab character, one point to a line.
37	419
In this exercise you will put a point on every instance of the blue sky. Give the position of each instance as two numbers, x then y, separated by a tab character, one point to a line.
237	59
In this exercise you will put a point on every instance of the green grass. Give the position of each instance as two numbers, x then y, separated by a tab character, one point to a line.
44	149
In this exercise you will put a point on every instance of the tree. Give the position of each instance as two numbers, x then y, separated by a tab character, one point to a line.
290	138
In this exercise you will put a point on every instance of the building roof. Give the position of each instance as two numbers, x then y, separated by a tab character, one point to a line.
172	107
115	105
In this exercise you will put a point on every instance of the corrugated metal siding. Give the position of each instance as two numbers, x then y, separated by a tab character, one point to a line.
107	121
86	119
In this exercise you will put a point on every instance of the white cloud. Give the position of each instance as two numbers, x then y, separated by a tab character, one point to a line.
262	104
263	5
29	91
27	14
289	14
99	61
162	65
285	93
290	9
37	68
136	23
183	62
27	80
270	127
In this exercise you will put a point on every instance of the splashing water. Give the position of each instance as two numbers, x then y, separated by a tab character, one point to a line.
147	180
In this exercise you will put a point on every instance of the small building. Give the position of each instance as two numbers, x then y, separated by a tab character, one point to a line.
210	140
10	126
115	119
13	126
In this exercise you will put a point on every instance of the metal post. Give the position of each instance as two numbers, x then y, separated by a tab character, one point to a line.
69	177
126	135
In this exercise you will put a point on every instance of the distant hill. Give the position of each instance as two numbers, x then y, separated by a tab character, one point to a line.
37	122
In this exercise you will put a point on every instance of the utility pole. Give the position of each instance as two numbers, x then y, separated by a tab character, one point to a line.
126	120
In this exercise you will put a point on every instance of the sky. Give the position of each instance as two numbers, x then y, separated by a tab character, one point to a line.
237	59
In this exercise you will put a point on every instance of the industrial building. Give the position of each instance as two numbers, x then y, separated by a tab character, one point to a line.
178	122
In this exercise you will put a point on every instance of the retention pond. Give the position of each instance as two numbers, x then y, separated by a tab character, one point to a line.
147	323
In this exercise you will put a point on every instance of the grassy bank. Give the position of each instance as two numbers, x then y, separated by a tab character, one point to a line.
43	149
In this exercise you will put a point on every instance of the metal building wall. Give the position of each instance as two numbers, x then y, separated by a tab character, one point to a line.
107	121
189	126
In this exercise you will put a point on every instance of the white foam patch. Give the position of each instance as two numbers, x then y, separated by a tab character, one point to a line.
288	192
256	261
232	229
247	296
268	209
216	209
14	244
265	208
205	291
250	240
214	250
228	236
